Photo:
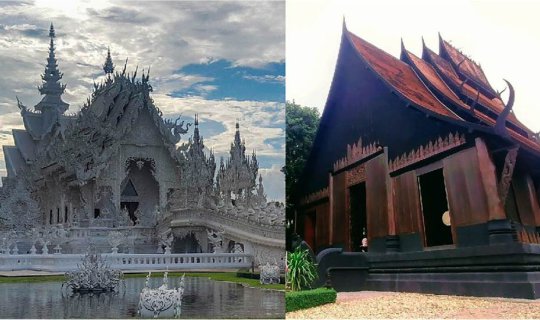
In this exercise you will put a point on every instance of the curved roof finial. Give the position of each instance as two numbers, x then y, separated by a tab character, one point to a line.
500	125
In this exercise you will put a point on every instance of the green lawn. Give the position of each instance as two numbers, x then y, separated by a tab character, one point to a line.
217	276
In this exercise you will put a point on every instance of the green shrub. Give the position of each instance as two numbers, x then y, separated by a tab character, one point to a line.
301	271
297	300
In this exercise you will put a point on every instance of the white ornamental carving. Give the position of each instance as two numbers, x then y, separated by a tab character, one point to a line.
161	301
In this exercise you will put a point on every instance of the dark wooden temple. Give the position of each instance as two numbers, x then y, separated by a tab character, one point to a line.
423	156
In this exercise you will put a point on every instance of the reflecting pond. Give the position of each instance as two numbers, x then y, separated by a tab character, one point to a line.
203	298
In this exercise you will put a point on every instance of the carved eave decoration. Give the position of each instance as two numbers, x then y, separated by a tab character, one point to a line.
355	153
431	149
315	196
507	173
355	175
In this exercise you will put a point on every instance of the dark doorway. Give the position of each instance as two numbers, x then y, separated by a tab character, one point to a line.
187	244
309	229
131	208
358	217
434	205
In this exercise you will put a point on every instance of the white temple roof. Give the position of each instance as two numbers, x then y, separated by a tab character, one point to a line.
25	144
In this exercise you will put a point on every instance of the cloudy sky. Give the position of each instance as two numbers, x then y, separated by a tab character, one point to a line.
503	36
222	60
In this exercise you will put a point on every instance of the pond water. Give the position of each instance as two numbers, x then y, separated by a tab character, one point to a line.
203	298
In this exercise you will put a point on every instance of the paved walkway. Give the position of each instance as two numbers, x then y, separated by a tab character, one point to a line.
385	305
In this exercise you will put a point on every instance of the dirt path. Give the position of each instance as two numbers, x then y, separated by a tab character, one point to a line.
384	305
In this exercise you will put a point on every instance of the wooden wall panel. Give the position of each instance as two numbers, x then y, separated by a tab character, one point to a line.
465	191
323	225
533	196
526	199
339	220
310	228
378	197
407	204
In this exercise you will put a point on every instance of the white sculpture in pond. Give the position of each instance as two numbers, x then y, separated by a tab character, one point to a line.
93	275
269	274
162	301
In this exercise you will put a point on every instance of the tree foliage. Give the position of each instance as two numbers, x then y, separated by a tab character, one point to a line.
301	125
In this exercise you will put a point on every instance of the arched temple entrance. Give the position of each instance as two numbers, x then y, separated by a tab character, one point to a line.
140	191
186	244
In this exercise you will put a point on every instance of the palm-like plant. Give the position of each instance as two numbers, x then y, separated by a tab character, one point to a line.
301	271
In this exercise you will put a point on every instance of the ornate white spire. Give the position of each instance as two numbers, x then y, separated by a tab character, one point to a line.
108	67
240	173
51	88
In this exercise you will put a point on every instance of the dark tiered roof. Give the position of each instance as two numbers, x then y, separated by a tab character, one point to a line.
433	76
403	103
466	67
400	76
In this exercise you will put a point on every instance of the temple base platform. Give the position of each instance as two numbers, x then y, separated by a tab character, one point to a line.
509	270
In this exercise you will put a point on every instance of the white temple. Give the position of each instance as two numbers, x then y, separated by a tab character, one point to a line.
115	175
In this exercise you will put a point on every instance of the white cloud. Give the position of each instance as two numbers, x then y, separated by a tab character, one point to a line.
274	183
256	122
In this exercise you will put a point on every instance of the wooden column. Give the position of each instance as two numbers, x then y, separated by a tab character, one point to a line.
489	181
340	220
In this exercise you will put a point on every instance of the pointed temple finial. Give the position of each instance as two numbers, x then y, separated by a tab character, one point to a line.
51	31
196	134
237	139
402	46
108	67
51	88
403	50
344	24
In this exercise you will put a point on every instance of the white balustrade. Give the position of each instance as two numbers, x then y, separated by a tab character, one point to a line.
122	261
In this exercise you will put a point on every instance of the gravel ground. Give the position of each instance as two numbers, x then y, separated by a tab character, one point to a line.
385	305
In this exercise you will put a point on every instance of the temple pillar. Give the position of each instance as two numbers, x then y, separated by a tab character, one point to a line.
500	229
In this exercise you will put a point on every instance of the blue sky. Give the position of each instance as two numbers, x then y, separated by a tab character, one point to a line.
223	60
224	80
